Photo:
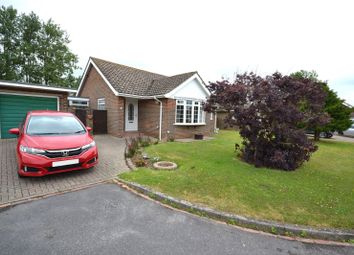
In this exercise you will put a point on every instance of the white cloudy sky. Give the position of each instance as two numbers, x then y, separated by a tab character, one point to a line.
216	38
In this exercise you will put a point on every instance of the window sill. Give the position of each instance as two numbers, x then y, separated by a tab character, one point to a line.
189	124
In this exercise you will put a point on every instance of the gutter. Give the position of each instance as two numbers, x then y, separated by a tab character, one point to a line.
139	97
39	87
160	122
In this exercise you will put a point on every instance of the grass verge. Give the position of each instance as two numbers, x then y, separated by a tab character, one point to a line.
319	194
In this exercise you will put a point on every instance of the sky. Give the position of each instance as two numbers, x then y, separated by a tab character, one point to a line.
216	38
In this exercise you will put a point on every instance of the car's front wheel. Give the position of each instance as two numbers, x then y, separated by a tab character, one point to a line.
329	135
326	135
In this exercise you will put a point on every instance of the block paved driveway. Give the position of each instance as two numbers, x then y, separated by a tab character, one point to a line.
111	162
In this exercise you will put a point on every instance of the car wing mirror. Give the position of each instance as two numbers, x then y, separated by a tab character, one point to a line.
89	129
14	131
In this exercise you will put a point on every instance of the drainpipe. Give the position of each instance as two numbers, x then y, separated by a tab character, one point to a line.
160	125
215	122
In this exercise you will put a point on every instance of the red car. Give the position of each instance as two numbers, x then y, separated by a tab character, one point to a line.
52	142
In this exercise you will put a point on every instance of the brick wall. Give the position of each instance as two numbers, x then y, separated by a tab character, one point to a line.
121	120
94	88
184	131
149	113
149	117
63	97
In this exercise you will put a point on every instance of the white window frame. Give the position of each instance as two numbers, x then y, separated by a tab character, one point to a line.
101	103
77	101
200	117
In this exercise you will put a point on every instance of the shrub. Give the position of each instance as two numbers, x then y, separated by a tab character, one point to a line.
155	159
132	145
170	138
271	114
145	142
139	161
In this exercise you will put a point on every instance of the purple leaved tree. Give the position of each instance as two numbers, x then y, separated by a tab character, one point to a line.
272	114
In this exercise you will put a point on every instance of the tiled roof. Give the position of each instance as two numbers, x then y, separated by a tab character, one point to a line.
129	80
165	85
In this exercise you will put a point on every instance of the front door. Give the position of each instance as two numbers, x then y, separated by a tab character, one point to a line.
131	114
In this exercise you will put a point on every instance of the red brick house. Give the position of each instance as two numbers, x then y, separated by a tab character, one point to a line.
138	101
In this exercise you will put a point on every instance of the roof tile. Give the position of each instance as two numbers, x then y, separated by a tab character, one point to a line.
129	80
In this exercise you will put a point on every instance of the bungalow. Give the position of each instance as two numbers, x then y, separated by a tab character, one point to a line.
137	101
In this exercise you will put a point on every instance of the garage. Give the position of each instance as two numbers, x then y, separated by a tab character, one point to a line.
13	109
16	99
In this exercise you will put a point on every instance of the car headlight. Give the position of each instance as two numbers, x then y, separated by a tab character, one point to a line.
88	146
31	150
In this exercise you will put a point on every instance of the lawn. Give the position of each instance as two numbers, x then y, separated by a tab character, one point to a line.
320	193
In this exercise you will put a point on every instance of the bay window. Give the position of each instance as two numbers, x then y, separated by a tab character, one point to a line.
189	112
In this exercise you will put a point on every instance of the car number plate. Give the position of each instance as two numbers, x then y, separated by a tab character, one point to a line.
65	162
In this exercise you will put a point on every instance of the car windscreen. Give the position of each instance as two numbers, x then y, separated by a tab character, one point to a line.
54	125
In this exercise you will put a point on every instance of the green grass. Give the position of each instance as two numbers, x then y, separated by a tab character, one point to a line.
320	193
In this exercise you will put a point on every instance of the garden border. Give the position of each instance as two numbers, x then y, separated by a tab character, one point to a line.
128	161
273	227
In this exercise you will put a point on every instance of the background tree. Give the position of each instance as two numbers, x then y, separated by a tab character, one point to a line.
334	106
57	62
269	112
303	74
9	44
35	51
30	27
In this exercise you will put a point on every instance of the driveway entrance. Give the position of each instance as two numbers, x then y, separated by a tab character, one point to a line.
13	188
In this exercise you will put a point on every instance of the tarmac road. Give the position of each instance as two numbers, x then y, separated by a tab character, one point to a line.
106	219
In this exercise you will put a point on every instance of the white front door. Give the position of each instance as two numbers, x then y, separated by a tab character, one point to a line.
131	114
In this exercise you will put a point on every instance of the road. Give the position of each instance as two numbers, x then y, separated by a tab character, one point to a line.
343	138
107	219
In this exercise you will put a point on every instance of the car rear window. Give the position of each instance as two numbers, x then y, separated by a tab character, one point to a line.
54	125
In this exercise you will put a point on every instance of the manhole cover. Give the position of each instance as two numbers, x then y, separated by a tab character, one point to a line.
165	165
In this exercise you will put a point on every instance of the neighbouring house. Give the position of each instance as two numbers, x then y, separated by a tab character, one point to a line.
221	116
350	107
17	98
137	101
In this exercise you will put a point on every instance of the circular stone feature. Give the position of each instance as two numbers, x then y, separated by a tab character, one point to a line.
165	165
